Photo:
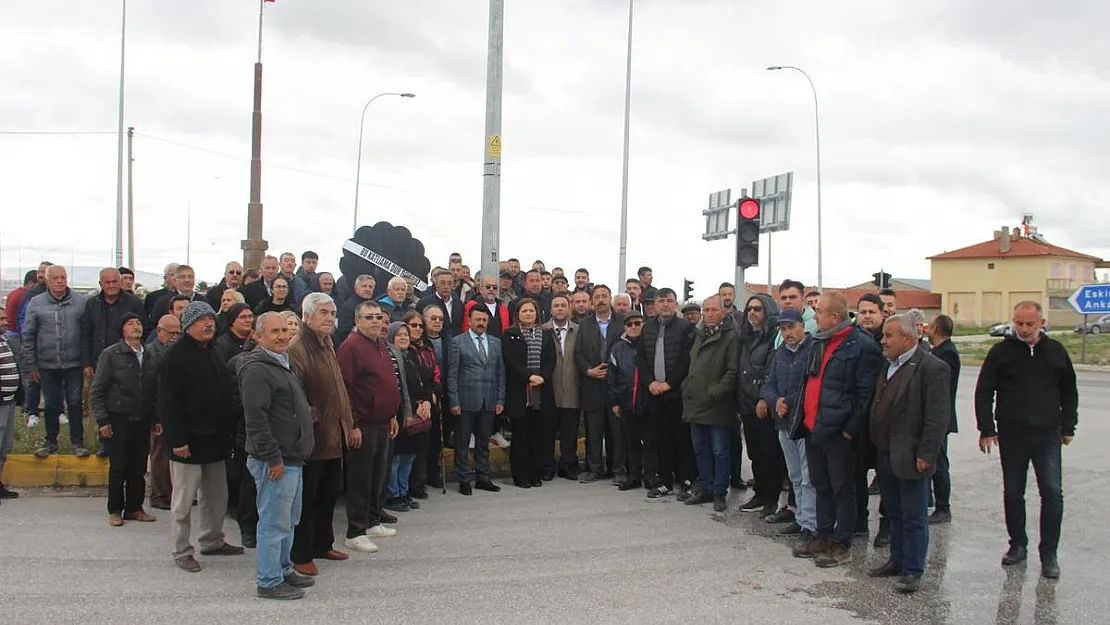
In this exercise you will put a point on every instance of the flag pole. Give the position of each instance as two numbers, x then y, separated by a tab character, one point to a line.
118	259
254	246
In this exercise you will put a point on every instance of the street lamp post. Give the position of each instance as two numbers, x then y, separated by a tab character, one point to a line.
817	128
358	161
622	267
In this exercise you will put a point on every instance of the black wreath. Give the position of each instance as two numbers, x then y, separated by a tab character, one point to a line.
395	243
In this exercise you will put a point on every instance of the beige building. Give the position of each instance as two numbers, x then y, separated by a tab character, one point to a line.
980	284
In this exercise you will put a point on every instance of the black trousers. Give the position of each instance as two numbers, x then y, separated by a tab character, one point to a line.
765	452
568	420
529	451
127	452
634	426
832	471
322	480
736	455
367	472
668	449
425	469
246	512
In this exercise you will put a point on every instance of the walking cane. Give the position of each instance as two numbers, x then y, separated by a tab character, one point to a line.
442	470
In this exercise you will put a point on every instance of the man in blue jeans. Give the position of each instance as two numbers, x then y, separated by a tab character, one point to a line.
52	352
908	421
279	440
709	402
1027	386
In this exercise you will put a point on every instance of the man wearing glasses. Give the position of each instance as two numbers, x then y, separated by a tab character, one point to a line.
166	332
233	278
757	348
498	311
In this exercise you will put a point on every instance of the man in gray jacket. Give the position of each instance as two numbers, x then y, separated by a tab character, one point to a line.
52	350
279	441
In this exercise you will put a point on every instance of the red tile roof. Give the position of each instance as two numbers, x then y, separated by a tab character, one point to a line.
1023	246
906	299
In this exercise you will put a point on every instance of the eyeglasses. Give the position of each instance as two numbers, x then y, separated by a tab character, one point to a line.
754	309
234	273
633	324
371	316
281	286
416	325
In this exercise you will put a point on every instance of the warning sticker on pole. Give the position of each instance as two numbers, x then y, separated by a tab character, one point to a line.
494	147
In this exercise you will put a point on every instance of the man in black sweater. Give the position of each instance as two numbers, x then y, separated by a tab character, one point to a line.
1027	387
940	337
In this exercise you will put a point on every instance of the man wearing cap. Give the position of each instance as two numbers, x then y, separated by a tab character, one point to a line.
692	312
782	395
121	403
196	407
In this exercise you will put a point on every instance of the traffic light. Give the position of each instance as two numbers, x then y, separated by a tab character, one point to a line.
747	233
687	290
882	279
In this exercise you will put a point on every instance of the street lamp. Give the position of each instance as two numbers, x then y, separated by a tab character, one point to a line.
817	127
358	165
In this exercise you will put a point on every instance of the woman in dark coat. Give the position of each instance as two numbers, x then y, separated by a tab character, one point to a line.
424	356
529	354
281	300
408	441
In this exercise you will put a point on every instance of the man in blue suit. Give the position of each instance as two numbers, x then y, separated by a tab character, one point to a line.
475	393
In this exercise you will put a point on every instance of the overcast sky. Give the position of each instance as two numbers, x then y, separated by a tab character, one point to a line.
940	122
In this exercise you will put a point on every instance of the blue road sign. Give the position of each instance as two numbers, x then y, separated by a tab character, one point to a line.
1091	299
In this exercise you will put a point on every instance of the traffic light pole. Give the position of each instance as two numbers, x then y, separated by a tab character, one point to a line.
769	282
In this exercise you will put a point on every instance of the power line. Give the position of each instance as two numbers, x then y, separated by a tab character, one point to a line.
56	132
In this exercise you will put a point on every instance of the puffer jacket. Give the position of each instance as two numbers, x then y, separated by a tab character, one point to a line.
757	350
709	391
678	337
847	386
787	381
52	331
119	390
623	387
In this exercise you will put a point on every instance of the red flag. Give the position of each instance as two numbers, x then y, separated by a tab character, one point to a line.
269	0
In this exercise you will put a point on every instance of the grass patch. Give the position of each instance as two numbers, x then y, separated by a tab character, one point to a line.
27	440
970	331
1098	348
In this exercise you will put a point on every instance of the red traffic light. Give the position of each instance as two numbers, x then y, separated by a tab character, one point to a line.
749	208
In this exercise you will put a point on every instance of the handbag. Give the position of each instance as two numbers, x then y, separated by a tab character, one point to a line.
415	425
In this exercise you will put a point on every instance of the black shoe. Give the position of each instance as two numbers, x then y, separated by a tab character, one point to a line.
522	484
589	477
683	492
719	504
396	505
412	504
7	494
629	485
699	499
488	487
537	484
101	453
783	515
250	542
940	516
465	489
1015	555
790	530
658	491
908	584
738	484
436	483
753	505
159	505
296	580
882	539
1050	568
548	476
887	569
386	517
608	475
419	494
46	452
283	590
861	531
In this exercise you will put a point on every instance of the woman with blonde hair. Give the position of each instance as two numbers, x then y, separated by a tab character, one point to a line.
293	321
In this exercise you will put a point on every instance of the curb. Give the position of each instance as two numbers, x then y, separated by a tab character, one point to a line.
27	471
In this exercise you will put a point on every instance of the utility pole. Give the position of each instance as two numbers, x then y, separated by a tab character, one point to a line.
254	246
491	174
119	132
130	198
622	268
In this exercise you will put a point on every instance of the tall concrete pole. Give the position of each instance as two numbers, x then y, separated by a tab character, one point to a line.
622	269
130	198
119	131
491	174
254	246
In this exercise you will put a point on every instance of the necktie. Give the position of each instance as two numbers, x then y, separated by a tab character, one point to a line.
482	350
559	336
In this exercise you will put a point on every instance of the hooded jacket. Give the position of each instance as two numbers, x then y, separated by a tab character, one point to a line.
709	391
757	350
275	410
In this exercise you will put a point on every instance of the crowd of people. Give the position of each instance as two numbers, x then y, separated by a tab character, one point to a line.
277	392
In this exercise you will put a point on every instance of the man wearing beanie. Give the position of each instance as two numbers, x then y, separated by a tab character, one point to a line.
123	408
195	405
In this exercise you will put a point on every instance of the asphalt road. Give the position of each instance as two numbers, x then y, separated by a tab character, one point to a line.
579	554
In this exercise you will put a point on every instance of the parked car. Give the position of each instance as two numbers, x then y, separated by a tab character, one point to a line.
1007	329
1095	326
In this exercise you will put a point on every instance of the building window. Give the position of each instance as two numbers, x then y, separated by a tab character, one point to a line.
1058	303
990	266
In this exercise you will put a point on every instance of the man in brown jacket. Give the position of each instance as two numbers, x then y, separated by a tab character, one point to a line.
312	356
565	386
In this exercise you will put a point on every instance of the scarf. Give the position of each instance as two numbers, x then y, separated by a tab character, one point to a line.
533	338
817	352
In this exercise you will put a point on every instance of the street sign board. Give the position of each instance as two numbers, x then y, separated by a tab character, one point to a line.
717	215
1091	299
774	195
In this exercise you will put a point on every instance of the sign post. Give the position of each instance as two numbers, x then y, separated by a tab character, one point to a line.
1089	299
